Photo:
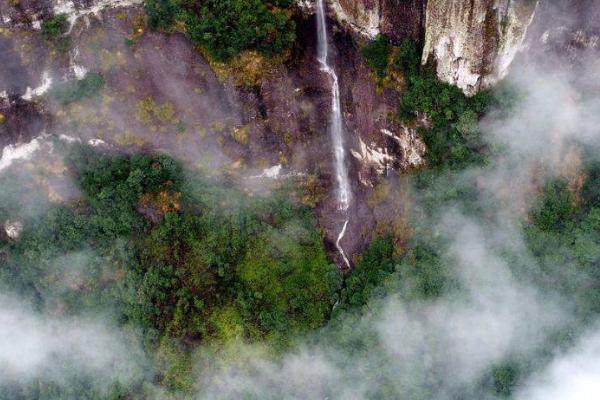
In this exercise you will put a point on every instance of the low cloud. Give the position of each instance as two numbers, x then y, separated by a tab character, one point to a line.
446	347
34	345
574	375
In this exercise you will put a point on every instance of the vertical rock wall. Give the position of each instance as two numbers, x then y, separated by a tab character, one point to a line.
396	19
403	18
473	42
362	16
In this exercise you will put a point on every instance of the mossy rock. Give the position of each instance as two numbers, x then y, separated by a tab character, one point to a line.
240	135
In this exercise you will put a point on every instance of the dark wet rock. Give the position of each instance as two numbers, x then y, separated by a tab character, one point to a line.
20	121
13	77
397	19
24	12
161	94
402	19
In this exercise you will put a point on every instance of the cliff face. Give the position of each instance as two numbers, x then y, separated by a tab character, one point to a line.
160	93
473	42
565	33
396	19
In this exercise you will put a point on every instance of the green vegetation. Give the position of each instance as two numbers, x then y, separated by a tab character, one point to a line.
419	274
562	235
452	138
565	237
179	256
54	30
190	266
377	54
226	28
75	90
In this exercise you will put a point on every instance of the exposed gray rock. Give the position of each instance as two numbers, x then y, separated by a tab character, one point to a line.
13	229
473	42
397	19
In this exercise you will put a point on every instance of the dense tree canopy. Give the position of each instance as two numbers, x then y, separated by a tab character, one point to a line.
177	255
227	27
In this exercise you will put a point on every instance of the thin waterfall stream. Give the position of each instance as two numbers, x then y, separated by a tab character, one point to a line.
336	128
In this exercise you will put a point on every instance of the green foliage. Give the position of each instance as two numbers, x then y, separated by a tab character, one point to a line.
54	30
556	209
505	379
288	283
75	90
376	264
54	27
377	54
179	256
226	28
407	58
417	275
452	137
565	239
162	13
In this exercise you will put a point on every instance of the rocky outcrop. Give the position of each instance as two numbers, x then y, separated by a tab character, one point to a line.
403	19
397	19
362	16
473	42
565	33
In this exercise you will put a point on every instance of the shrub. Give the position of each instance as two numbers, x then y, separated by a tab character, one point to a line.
407	58
75	90
54	31
377	54
453	139
376	264
162	13
55	27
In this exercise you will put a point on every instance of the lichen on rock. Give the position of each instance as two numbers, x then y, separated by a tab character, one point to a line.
364	16
472	43
13	229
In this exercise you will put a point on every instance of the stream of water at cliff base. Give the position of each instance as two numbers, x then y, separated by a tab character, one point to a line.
335	126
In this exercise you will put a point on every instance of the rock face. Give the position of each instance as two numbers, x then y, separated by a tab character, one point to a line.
564	33
471	42
396	19
363	16
403	18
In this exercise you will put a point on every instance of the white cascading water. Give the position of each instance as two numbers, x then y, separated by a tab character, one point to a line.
336	127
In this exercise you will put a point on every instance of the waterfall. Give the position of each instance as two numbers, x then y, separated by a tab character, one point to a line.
335	124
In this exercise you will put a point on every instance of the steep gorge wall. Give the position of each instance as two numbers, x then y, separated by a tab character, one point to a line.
396	19
471	42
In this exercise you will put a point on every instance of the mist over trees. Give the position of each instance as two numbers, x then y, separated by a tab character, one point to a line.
144	276
176	257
